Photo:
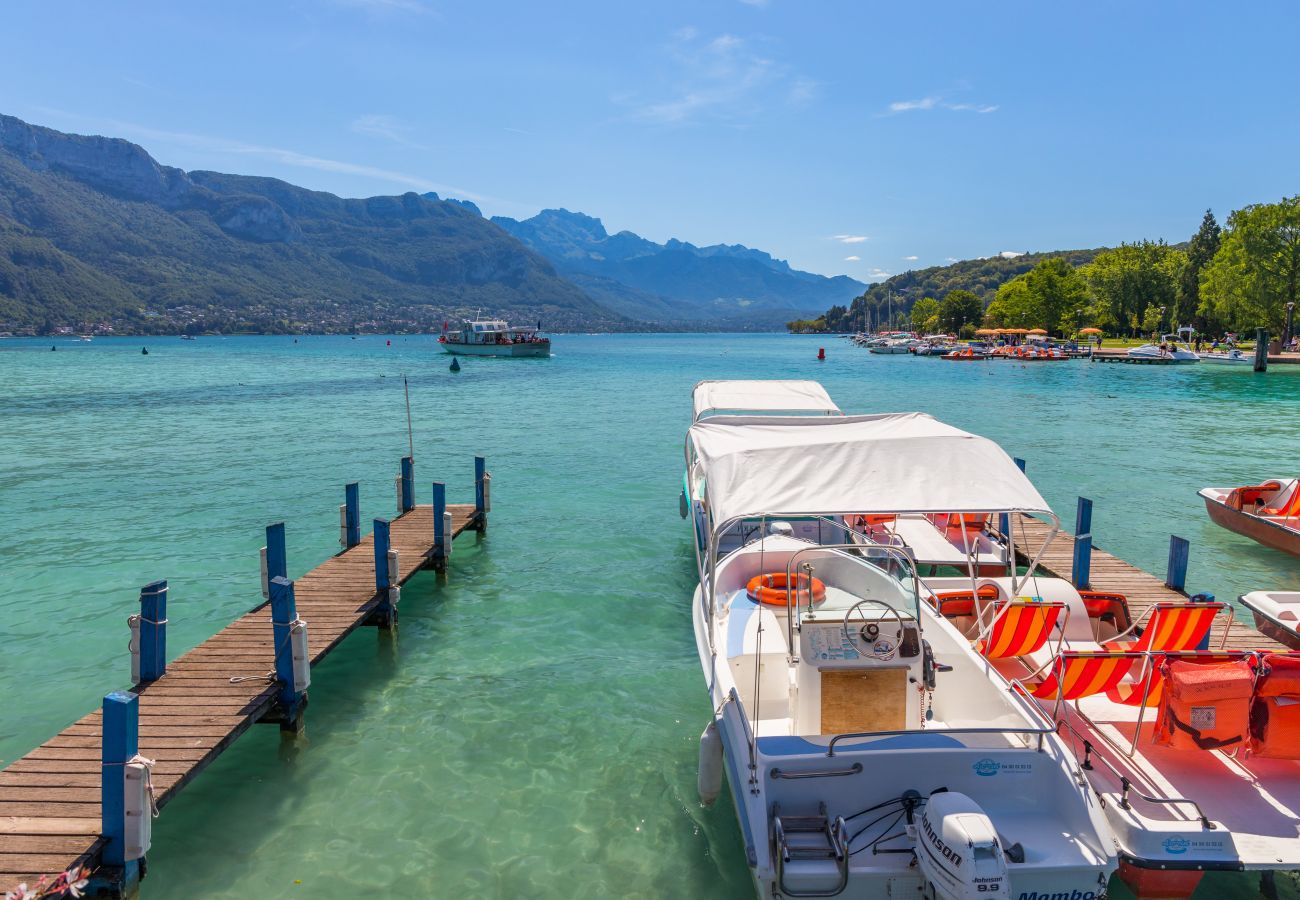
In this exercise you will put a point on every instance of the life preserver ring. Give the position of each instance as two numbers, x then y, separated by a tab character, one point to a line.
773	589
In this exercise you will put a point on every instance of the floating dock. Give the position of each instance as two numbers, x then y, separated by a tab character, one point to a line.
68	803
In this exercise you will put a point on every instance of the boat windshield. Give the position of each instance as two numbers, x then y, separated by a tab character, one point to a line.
875	578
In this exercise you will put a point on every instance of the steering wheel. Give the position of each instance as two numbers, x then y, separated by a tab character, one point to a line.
866	639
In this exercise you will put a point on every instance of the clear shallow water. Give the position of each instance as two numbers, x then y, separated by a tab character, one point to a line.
531	731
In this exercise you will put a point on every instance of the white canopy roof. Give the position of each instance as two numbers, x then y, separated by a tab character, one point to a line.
898	462
763	396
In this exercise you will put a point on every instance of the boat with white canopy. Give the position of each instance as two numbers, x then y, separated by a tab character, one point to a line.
871	751
804	398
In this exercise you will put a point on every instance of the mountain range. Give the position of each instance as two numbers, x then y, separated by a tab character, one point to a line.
93	230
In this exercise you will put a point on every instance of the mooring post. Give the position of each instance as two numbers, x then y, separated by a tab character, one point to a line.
1004	520
120	743
1261	349
386	577
1082	544
480	494
277	562
408	484
1178	553
153	631
352	522
284	624
441	529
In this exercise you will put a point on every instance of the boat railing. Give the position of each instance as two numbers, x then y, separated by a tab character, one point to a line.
1126	786
1040	732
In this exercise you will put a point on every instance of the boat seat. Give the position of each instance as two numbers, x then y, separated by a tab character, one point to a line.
1083	673
1020	628
1173	627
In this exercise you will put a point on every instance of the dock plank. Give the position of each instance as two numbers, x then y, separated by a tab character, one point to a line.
49	799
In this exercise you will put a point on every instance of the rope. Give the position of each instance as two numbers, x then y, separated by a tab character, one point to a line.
271	677
148	764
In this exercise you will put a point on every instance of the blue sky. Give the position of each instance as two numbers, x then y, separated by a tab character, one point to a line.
854	138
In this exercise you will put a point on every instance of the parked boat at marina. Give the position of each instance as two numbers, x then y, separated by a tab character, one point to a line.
1232	357
1168	348
1277	615
494	337
1268	512
850	715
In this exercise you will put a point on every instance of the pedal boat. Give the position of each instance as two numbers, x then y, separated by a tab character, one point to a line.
1277	615
870	749
1268	513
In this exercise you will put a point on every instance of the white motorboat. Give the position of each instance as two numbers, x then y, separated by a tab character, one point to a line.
1169	348
871	750
1277	615
1233	357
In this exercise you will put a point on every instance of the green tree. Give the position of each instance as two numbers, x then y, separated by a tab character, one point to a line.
1256	271
960	308
925	315
1200	250
1058	290
1012	306
1131	277
1153	319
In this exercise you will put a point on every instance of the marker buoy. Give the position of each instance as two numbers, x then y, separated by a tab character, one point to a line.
144	351
388	343
455	365
52	347
821	352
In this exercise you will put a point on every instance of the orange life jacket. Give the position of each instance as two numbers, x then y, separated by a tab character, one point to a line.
1206	704
1275	714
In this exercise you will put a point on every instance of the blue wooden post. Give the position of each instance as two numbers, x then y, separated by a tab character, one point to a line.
121	741
284	610
381	555
1178	553
1004	520
480	510
153	631
1082	544
408	484
277	563
440	536
353	520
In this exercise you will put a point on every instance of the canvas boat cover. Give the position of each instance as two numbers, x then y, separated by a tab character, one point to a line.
807	397
897	462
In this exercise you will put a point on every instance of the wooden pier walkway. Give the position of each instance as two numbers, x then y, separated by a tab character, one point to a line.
1111	574
51	817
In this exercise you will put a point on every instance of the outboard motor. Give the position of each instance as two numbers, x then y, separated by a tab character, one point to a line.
957	850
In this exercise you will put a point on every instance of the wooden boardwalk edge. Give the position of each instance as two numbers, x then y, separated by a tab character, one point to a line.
50	816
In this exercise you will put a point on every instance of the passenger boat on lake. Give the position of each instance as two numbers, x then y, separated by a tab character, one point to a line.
1046	730
494	337
1268	513
1169	348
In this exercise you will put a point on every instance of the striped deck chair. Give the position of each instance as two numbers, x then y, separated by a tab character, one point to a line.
1082	673
1152	681
1019	628
1173	627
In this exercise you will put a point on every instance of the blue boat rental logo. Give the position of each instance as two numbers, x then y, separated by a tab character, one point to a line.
1176	845
986	766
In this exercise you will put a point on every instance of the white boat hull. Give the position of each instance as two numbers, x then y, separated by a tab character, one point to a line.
515	350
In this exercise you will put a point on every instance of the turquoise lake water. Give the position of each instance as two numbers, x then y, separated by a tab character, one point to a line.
531	730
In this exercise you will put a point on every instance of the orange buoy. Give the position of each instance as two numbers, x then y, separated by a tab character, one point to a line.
821	352
773	589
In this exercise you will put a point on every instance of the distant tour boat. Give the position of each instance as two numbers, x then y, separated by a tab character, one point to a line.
494	337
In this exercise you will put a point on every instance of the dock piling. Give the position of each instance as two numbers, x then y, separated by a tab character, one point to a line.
385	614
153	631
407	484
277	561
1080	569
352	494
1179	550
120	743
441	528
290	639
481	479
1261	349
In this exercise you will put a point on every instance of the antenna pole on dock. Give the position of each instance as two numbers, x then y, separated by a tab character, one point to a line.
410	436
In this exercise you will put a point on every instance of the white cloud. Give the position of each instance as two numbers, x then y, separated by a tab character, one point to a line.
849	238
938	102
387	127
1011	254
911	258
758	3
951	259
387	6
877	272
853	259
727	78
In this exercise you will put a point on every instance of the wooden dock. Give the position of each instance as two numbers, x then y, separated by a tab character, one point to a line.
54	814
1111	574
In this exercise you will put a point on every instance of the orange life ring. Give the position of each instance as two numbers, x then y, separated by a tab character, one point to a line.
773	589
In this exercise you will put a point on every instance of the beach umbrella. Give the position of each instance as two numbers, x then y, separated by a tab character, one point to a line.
979	331
1090	331
1037	331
